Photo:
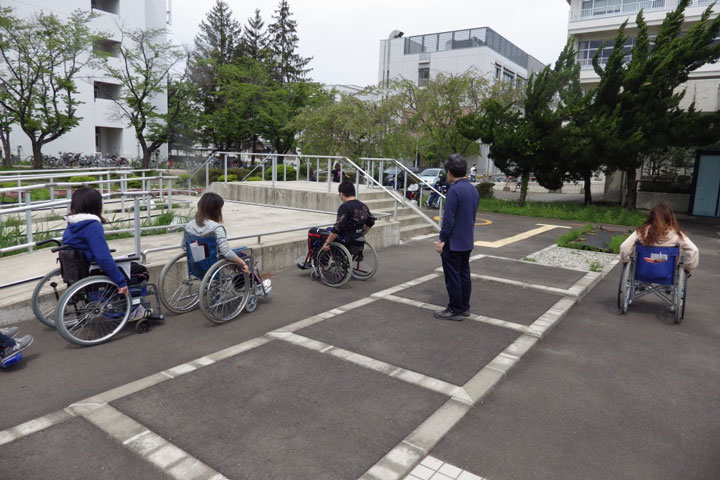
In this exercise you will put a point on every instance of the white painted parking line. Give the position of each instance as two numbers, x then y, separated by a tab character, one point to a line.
478	318
531	286
34	425
409	376
171	459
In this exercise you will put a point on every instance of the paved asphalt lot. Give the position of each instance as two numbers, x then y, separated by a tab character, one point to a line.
362	381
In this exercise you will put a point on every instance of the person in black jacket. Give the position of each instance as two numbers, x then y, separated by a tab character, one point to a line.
353	218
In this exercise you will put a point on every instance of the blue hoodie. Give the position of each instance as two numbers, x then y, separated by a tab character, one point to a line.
85	233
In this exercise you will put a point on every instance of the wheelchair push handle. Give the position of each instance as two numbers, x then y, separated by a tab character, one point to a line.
45	242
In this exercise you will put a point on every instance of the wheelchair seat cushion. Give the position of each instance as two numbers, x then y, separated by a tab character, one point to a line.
656	264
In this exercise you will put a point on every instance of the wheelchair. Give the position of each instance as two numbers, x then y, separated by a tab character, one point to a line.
196	277
90	311
658	271
345	259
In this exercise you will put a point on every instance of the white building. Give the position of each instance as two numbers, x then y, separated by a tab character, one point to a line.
101	129
482	51
591	22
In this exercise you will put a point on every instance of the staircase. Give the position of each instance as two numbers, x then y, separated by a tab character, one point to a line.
411	224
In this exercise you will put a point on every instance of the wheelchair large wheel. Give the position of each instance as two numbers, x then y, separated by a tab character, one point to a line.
364	263
679	295
625	290
179	291
91	311
46	295
334	266
224	292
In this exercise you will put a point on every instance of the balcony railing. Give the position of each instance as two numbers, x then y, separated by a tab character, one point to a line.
586	63
630	7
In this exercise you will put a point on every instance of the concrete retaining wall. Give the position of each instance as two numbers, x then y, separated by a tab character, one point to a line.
282	197
679	202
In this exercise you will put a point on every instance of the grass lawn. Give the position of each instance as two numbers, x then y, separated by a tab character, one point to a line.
610	215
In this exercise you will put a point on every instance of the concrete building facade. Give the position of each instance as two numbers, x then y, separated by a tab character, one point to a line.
592	22
101	129
481	51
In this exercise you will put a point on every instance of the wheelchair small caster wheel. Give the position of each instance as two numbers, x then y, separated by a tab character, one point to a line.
251	303
314	275
143	326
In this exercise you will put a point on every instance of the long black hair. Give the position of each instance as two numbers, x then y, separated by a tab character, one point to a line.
87	200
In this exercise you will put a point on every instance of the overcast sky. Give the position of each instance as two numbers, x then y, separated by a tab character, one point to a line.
343	36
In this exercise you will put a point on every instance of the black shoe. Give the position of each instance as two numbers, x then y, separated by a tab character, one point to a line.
304	265
466	313
448	314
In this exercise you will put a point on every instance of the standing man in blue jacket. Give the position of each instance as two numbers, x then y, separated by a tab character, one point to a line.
457	239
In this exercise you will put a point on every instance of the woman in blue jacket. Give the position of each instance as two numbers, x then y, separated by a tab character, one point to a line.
85	233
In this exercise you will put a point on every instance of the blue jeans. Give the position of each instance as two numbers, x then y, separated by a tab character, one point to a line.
6	341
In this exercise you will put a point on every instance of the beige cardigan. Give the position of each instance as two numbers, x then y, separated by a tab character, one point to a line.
692	255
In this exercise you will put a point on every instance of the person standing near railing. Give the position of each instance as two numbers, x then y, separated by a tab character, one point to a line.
457	238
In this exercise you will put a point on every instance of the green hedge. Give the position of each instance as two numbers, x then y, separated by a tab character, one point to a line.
291	173
485	189
254	179
82	179
230	178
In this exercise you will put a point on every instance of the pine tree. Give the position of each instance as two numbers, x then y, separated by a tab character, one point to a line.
641	97
254	41
287	65
215	46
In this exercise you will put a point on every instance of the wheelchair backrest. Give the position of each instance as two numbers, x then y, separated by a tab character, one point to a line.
656	264
73	264
201	253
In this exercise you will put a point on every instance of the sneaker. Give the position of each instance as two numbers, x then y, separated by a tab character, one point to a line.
466	313
303	265
20	344
10	331
264	289
448	314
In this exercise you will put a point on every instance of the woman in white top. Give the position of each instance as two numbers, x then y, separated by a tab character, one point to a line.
662	230
207	223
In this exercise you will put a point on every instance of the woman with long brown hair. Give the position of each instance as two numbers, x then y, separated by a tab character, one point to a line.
661	229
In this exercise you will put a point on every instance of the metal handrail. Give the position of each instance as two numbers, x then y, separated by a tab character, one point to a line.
392	194
399	164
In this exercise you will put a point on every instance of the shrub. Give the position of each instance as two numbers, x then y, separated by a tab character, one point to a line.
184	177
254	179
240	173
291	173
678	186
134	183
81	179
485	189
230	178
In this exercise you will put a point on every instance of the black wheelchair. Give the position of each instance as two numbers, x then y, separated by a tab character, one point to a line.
89	311
345	258
658	271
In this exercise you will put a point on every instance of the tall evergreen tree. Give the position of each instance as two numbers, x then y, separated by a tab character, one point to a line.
254	41
283	40
216	45
641	97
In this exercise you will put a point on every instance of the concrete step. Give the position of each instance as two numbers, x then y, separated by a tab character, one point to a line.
379	203
410	231
411	219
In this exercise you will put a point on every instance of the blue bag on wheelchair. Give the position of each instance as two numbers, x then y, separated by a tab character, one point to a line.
656	264
201	254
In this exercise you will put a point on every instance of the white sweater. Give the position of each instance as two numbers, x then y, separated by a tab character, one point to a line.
692	255
211	228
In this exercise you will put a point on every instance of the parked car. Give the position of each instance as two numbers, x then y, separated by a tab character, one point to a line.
430	175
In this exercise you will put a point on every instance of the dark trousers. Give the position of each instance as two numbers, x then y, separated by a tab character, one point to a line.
6	341
456	267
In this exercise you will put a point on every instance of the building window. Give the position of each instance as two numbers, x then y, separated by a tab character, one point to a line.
588	48
107	91
110	6
106	48
423	75
498	71
508	76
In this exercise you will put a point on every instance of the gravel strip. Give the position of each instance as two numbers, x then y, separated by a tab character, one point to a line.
572	258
